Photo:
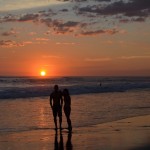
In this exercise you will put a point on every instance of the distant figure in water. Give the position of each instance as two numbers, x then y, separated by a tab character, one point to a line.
67	107
100	84
56	103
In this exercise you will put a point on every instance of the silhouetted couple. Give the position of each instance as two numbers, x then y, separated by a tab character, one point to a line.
56	102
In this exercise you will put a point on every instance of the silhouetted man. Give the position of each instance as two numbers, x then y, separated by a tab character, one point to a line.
56	102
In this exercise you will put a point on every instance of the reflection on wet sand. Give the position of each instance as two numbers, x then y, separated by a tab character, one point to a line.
69	145
59	143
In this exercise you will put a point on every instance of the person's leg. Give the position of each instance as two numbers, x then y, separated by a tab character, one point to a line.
56	141
55	121
55	117
69	123
60	122
61	143
60	118
67	114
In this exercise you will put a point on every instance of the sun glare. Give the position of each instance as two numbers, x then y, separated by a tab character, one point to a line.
43	73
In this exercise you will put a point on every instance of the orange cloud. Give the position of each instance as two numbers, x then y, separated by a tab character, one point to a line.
10	43
42	39
98	59
65	43
134	57
9	33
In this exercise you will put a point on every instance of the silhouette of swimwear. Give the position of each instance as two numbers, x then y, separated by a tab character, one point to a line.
67	107
56	102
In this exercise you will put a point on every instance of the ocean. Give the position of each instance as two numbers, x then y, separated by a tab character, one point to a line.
28	87
24	101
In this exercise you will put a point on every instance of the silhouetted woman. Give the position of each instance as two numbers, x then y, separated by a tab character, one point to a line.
67	107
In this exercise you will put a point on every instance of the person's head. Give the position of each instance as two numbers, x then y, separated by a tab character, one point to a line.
56	87
65	92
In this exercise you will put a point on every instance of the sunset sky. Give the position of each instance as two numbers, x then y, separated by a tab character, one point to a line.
75	37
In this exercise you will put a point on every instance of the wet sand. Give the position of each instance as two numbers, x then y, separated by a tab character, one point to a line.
127	134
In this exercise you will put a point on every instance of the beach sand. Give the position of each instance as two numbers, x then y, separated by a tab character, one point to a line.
127	134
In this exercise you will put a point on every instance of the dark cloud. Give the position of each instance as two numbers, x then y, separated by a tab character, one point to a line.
29	17
9	33
72	0
66	24
84	0
64	10
86	19
93	33
103	0
8	18
138	19
63	27
131	8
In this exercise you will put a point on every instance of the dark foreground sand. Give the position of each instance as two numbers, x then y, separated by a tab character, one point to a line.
126	134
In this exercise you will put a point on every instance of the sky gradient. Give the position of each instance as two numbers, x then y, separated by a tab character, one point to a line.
75	37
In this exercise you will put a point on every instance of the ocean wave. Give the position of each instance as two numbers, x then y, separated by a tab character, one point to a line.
75	89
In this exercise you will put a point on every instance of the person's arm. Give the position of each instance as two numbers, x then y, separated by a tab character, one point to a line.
70	100
51	100
61	100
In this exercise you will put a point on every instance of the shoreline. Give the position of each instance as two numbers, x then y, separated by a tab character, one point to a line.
130	133
125	134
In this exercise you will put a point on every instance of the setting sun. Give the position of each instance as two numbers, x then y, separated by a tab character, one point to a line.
43	73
